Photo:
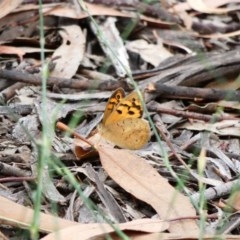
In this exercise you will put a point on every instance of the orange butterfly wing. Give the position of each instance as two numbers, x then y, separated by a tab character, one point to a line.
128	107
113	101
122	122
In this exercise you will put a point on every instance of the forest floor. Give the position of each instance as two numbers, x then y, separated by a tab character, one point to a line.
119	119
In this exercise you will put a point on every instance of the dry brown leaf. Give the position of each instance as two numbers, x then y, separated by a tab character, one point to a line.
229	84
34	50
140	179
228	104
223	128
83	150
66	10
17	215
174	236
20	51
8	6
218	35
200	6
3	237
234	201
76	233
112	38
205	6
152	53
214	3
71	51
12	50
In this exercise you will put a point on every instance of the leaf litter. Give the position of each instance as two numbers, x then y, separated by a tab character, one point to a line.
193	44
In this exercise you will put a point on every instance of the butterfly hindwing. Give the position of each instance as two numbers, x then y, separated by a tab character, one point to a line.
128	133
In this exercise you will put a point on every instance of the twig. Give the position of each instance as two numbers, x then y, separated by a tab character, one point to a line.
16	179
154	106
64	127
9	92
196	176
172	148
6	169
18	109
216	192
25	77
197	94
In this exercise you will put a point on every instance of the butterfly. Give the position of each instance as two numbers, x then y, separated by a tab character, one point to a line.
122	122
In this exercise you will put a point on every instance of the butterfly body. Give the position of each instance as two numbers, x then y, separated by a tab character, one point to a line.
122	122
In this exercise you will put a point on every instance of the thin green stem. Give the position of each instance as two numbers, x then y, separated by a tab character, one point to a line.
43	149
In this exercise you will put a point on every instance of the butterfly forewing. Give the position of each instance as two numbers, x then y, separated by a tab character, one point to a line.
112	103
128	107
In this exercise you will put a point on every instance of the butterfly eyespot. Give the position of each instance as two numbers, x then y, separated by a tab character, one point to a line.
118	96
119	111
131	112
